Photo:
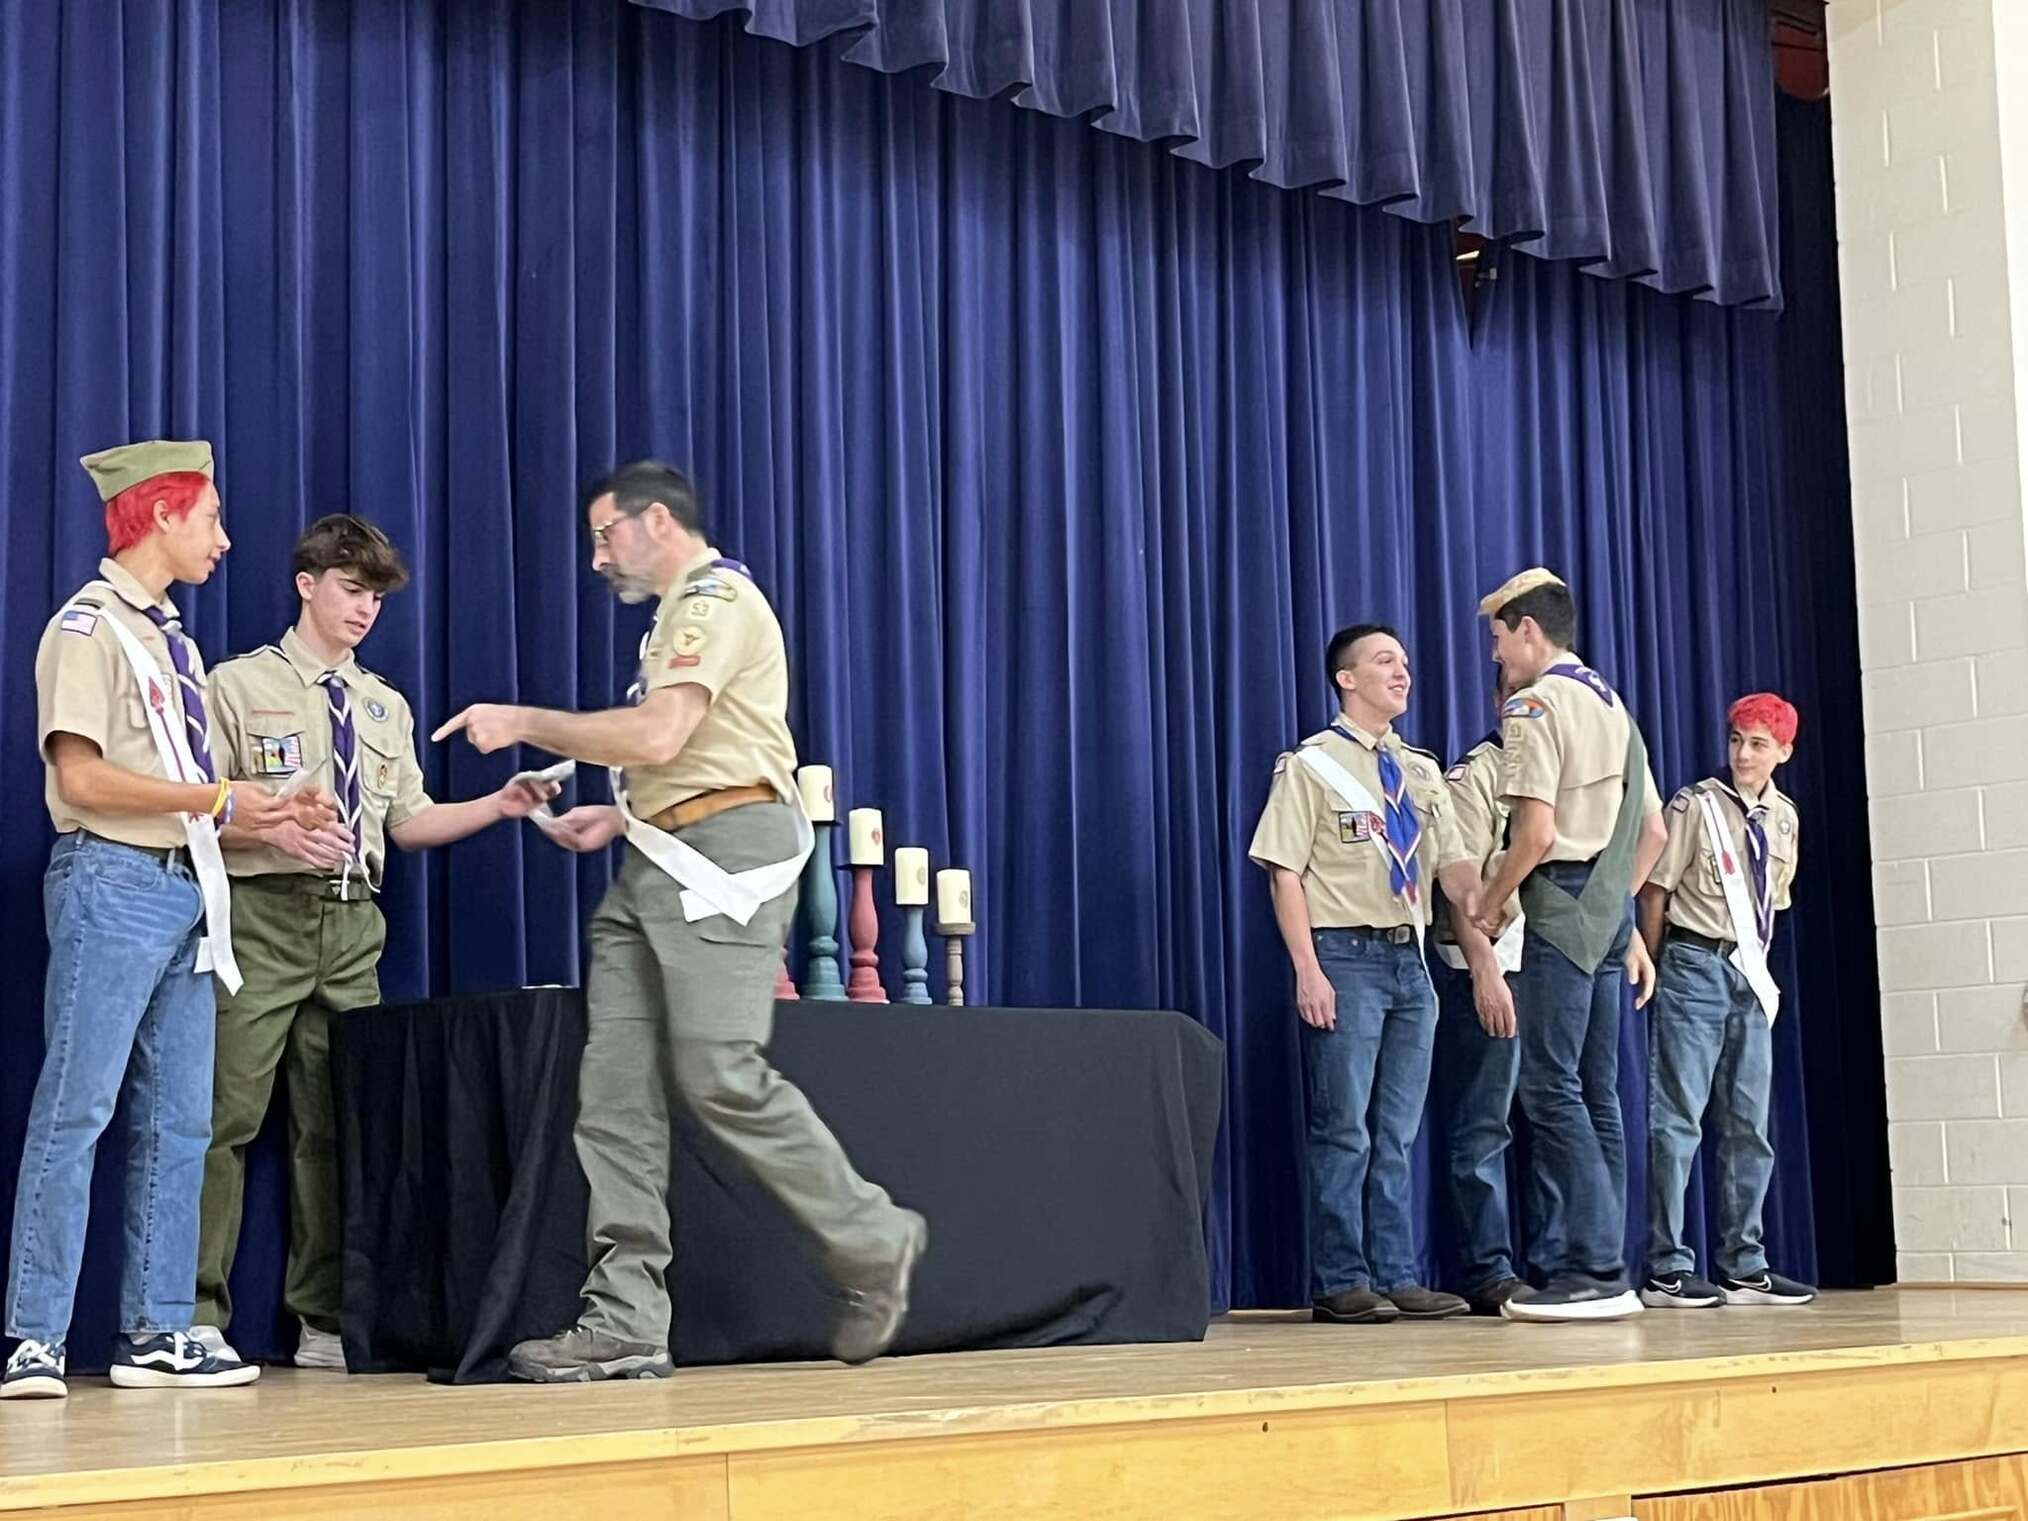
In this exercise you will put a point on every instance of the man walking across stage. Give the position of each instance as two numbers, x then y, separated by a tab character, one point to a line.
686	944
137	911
1585	829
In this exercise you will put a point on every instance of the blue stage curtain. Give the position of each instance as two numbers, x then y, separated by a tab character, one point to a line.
1635	135
1061	457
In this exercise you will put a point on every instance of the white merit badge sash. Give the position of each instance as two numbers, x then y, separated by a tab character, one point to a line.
709	888
1354	795
1748	954
165	723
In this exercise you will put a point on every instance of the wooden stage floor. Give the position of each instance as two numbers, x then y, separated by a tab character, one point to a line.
1268	1416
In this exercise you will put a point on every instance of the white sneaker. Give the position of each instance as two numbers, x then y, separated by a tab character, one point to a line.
175	1360
212	1339
35	1371
320	1349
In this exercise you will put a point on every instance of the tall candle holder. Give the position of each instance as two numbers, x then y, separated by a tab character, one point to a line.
911	893
954	923
867	852
821	980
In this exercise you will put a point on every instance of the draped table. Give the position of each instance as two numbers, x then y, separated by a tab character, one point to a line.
1063	1158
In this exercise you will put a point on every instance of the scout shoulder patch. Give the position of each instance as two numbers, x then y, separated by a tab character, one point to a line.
684	662
80	621
1680	803
1282	762
689	641
712	586
1457	772
700	609
1524	705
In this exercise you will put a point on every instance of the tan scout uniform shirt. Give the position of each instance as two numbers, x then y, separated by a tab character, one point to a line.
1307	829
1688	869
273	719
716	630
1566	746
84	686
1479	814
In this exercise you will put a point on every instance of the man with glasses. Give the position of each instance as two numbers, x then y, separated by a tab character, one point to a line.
686	944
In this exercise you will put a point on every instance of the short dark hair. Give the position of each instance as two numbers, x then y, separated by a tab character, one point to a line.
1338	653
1553	609
639	485
350	544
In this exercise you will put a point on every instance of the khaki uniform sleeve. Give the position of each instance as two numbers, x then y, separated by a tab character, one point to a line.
79	680
1794	862
702	641
228	724
1287	832
1473	811
1532	752
1651	798
410	795
1441	843
1686	829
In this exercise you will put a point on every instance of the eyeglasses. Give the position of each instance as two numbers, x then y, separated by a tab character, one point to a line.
599	535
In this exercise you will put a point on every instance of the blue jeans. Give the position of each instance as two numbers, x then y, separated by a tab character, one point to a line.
1476	1075
1570	1092
1708	1046
1367	1080
124	1010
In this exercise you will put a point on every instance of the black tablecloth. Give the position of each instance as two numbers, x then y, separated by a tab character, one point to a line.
1063	1158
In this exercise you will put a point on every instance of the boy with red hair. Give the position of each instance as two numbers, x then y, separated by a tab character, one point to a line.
1723	876
137	912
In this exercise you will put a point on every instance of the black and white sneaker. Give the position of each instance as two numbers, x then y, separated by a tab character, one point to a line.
176	1360
1572	1298
35	1371
1680	1291
1765	1288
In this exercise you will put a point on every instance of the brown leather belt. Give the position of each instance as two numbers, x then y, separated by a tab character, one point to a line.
695	810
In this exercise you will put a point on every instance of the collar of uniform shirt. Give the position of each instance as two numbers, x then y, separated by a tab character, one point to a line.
1346	729
122	580
692	566
305	663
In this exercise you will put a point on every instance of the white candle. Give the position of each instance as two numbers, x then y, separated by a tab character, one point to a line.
954	898
819	802
911	876
863	838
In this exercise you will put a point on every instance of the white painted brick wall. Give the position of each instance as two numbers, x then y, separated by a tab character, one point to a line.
1930	136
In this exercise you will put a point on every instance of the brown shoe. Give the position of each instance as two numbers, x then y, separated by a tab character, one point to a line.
1354	1307
1418	1303
870	1312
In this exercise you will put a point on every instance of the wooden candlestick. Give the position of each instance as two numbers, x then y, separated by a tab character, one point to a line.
914	959
865	984
821	892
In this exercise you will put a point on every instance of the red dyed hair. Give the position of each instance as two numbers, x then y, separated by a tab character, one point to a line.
130	516
1765	710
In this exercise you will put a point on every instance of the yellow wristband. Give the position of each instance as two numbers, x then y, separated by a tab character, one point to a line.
224	792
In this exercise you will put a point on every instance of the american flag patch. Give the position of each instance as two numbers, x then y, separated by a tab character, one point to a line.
78	621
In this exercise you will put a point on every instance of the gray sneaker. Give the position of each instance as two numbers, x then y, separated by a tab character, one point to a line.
582	1355
872	1310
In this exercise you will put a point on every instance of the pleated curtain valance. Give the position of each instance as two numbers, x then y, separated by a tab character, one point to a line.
1635	135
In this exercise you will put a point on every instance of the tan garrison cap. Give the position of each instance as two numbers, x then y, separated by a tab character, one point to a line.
1519	585
114	470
